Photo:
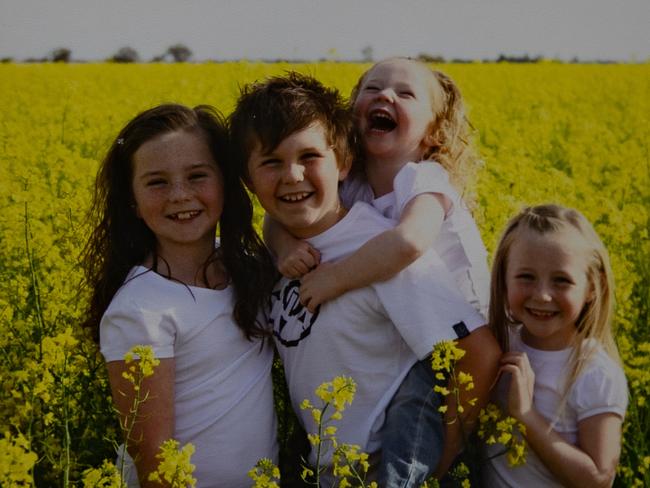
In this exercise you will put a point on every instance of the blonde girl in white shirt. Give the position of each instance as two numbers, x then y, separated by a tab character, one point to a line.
551	309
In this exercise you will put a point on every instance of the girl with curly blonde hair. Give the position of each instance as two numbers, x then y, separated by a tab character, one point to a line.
415	159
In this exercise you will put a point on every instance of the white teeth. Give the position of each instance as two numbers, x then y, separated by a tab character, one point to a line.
381	120
295	197
541	313
381	114
185	215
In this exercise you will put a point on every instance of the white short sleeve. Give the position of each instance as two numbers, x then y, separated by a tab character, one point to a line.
425	306
424	177
125	325
602	388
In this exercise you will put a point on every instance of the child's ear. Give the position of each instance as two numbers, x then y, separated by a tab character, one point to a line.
345	167
136	210
591	294
249	185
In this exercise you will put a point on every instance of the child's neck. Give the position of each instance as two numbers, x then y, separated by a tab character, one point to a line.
327	222
189	267
381	174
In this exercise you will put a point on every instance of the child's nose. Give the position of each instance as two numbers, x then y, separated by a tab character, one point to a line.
387	94
179	192
294	173
543	292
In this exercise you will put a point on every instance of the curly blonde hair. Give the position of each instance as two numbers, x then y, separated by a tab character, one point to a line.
450	134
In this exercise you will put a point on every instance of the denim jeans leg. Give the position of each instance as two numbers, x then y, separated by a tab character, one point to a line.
413	434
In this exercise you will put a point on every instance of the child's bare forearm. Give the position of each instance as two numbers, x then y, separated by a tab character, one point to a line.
155	416
294	257
362	268
388	253
591	464
481	361
379	259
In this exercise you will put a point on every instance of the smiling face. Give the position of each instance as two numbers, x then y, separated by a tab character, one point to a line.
178	192
394	110
297	182
547	285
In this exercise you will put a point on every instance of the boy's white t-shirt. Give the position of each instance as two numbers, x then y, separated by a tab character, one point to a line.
373	334
223	392
600	388
459	242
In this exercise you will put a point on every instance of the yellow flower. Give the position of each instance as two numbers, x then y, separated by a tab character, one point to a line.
306	472
442	390
175	467
16	461
265	474
496	427
105	476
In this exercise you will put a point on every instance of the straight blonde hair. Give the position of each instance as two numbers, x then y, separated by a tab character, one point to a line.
594	321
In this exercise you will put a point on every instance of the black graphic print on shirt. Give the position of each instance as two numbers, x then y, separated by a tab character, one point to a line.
286	308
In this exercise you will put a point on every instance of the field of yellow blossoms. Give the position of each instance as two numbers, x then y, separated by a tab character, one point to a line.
578	135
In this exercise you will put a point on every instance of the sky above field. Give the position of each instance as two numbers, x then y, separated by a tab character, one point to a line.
334	29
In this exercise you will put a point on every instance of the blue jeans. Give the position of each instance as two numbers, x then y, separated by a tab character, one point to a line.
413	433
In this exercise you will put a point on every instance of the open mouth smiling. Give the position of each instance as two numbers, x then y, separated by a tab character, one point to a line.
541	314
190	214
296	197
380	120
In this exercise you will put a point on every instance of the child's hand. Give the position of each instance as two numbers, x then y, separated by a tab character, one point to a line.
522	383
301	258
319	286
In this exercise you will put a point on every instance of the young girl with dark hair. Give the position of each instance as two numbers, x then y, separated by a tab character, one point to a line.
159	279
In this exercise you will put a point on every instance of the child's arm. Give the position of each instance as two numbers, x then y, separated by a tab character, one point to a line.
155	420
294	257
381	257
592	462
481	361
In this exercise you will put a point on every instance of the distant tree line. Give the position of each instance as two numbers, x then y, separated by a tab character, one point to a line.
180	53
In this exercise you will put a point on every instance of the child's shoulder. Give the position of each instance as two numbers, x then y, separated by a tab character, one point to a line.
361	223
599	363
601	386
424	177
143	288
139	282
423	171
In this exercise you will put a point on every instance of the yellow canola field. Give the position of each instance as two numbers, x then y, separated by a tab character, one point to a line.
578	135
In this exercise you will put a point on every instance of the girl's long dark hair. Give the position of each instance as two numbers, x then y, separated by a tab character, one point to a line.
120	240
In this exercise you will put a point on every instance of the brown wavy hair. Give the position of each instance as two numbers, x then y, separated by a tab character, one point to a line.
120	240
269	111
450	132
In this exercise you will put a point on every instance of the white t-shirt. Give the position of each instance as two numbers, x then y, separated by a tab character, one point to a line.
223	392
373	334
458	243
600	388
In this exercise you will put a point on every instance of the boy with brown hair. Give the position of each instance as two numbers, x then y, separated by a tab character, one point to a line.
291	140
